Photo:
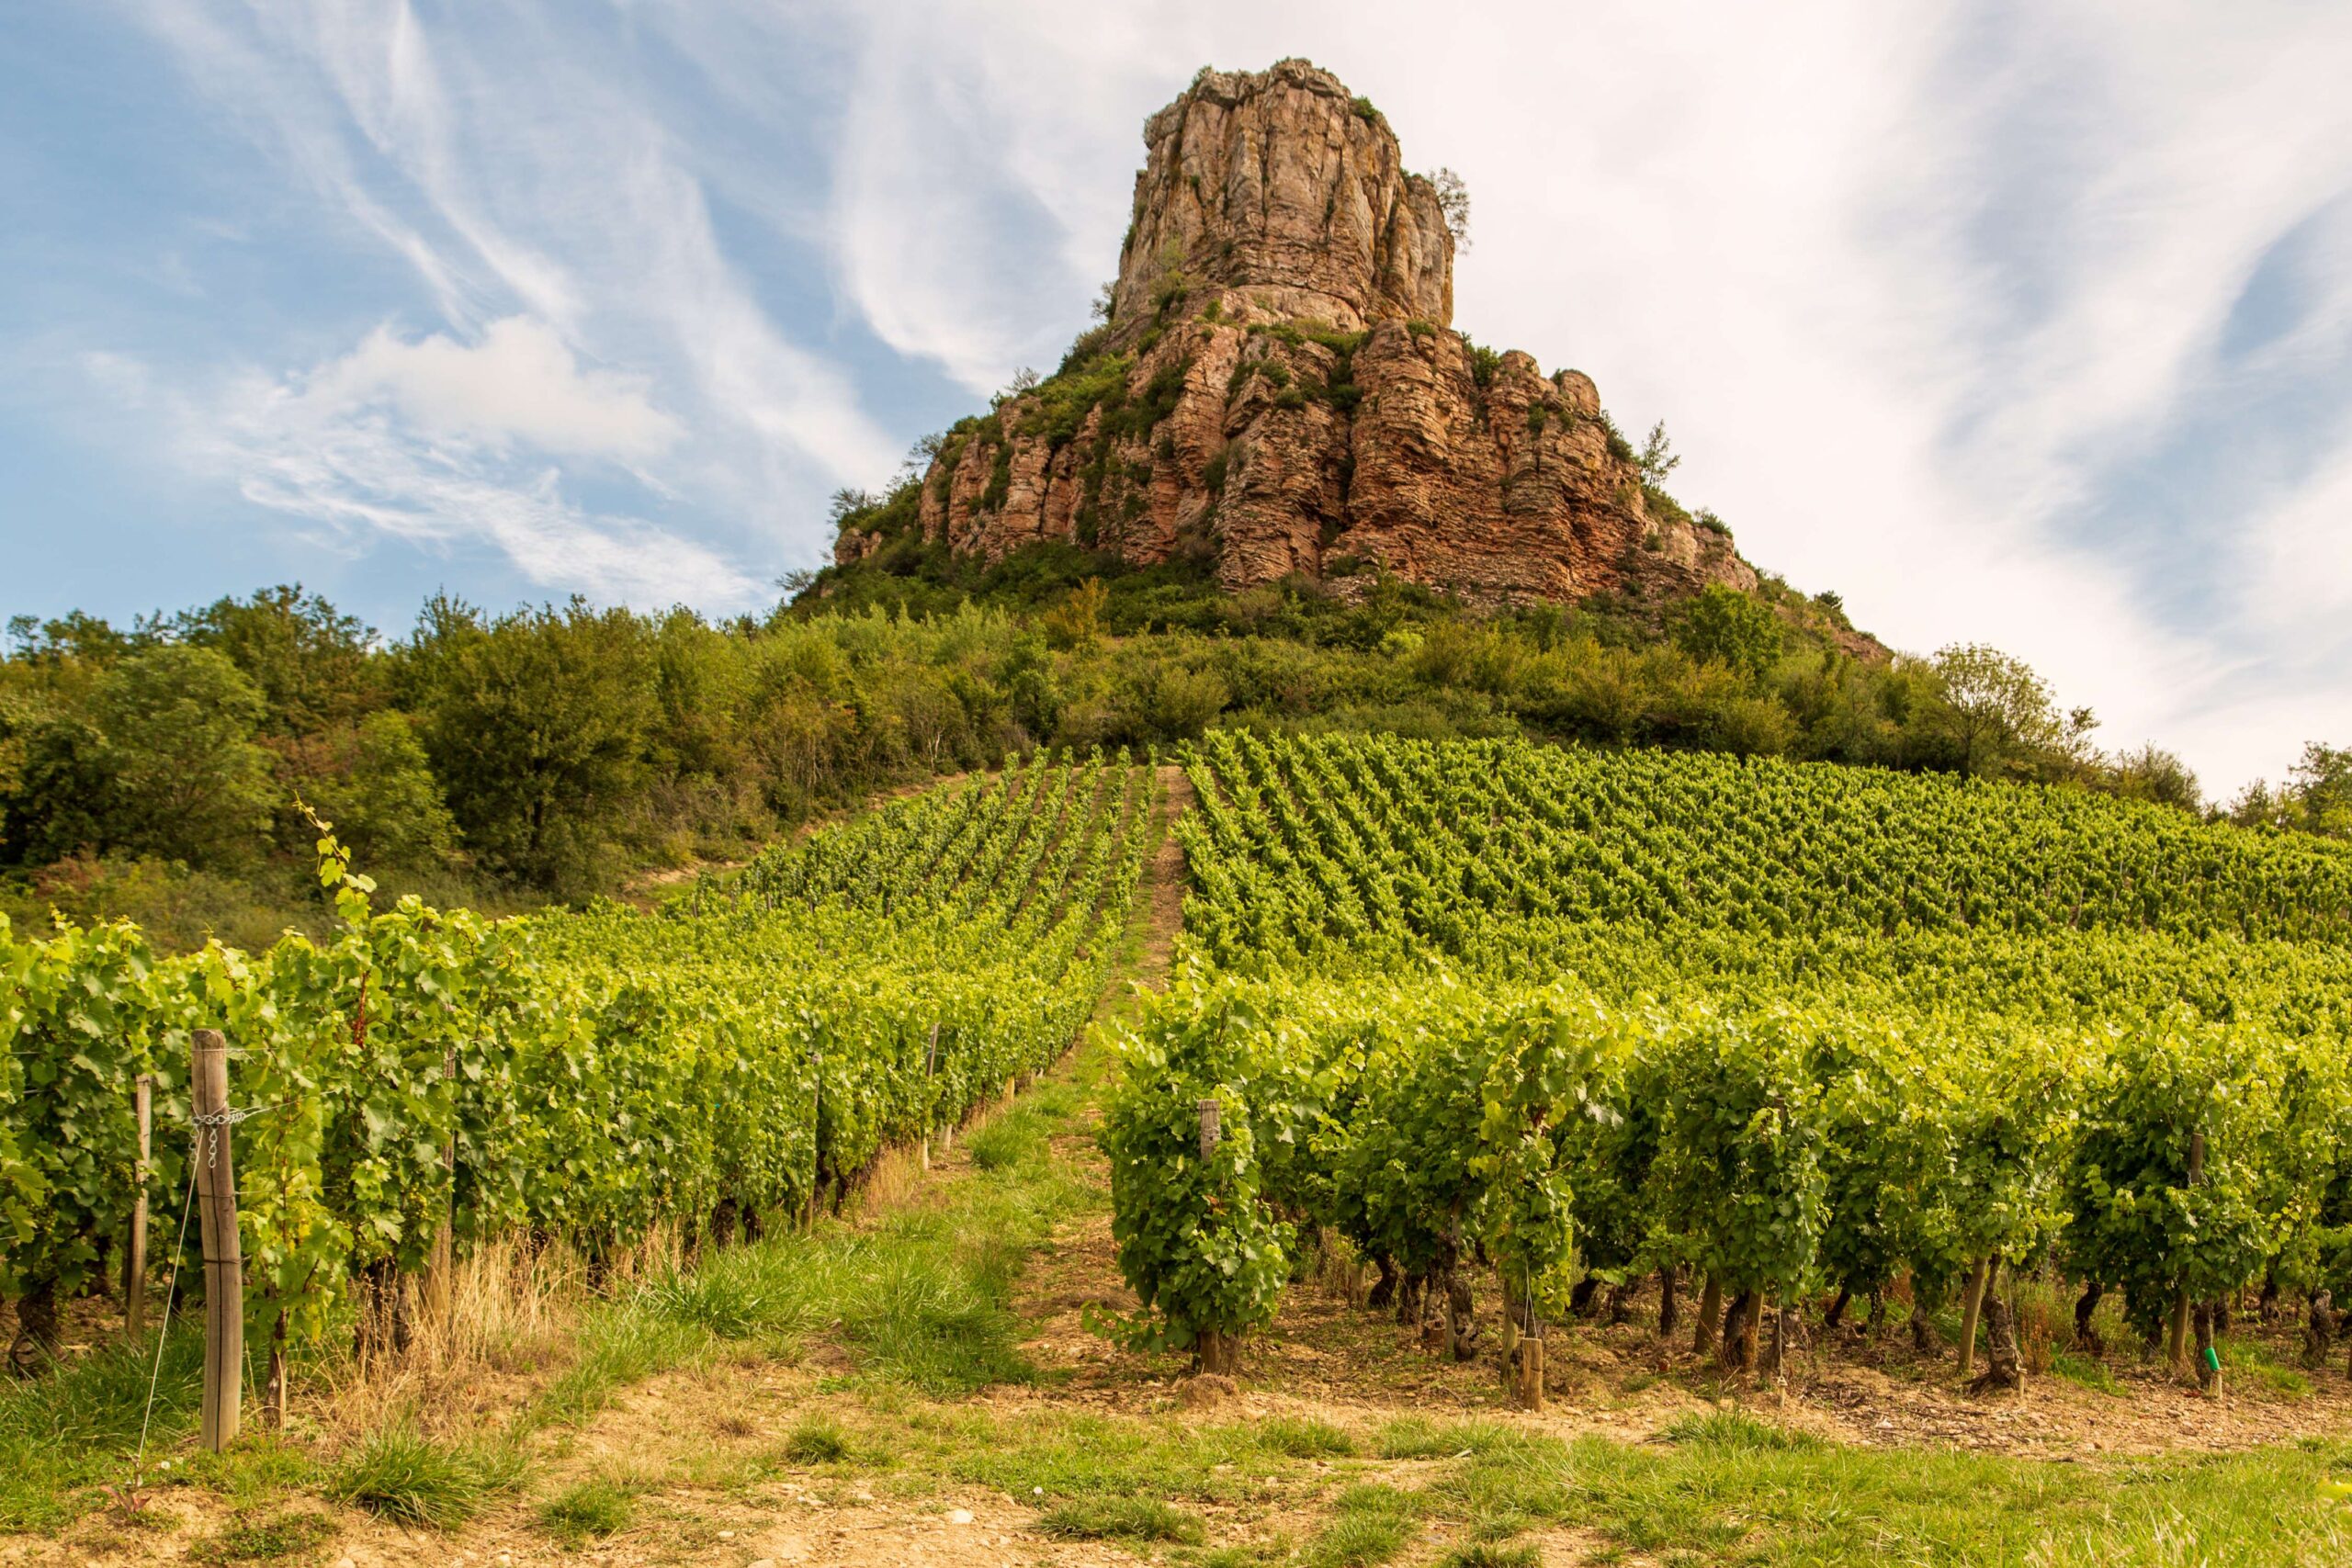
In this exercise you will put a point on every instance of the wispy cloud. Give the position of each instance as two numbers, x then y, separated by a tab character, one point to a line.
443	446
548	205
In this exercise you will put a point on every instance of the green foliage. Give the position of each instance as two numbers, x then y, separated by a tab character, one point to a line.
1363	109
533	718
1483	362
1731	629
570	1061
818	1440
1994	711
1203	1253
383	796
1212	476
1821	1026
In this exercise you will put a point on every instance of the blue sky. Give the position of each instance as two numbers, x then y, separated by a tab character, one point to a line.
2029	324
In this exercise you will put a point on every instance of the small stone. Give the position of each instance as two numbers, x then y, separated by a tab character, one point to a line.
764	1562
959	1517
729	1535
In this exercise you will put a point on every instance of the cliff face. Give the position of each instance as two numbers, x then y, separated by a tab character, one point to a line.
1278	388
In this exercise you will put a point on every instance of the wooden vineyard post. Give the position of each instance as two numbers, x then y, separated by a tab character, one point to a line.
224	1268
2177	1351
816	1135
1971	1306
134	1254
1510	1337
1529	1394
439	1287
930	1112
1216	1348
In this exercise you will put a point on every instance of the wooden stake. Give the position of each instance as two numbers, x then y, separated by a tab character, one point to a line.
930	1112
1530	1393
2177	1351
1972	1304
134	1261
224	1268
439	1287
1207	1107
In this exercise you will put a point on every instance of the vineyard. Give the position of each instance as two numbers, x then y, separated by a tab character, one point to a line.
1765	1034
1473	1071
426	1080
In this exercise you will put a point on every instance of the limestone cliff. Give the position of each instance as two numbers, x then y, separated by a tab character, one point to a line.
1278	387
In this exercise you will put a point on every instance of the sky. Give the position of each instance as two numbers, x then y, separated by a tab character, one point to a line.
2019	323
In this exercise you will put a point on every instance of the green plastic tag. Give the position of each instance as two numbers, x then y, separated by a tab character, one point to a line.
2212	1359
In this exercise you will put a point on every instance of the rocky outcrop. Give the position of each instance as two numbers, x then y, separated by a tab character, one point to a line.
1278	389
1282	182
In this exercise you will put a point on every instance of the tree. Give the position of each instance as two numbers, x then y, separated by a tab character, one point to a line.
1658	459
1732	629
181	775
309	660
385	804
2152	774
536	723
2322	786
2000	717
1453	201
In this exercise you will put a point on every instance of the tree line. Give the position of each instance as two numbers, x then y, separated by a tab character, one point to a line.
562	752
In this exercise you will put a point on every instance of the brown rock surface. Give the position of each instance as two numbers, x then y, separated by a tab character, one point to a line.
1278	389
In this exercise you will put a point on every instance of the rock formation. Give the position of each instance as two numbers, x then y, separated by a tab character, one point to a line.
1278	388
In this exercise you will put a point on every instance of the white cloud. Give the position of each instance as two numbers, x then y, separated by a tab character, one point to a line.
518	383
324	447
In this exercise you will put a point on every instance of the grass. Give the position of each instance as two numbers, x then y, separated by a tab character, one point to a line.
1736	1431
1121	1519
1007	1139
818	1440
924	1297
265	1539
588	1510
79	1426
397	1474
1414	1437
2088	1372
2248	1362
1294	1438
1486	1554
1370	1525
